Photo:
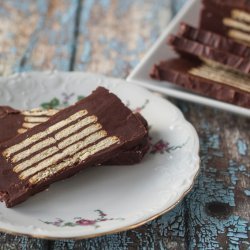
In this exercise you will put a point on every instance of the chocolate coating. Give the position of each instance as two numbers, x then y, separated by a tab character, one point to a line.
214	11
10	121
186	46
227	5
214	40
115	118
135	154
177	71
131	156
213	21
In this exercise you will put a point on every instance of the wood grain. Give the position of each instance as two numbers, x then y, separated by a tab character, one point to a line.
52	47
218	209
16	31
114	35
11	242
111	37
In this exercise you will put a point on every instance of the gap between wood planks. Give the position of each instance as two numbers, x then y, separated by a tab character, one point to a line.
76	34
72	59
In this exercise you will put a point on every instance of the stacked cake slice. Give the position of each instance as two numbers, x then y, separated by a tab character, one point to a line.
214	40
91	132
210	64
214	57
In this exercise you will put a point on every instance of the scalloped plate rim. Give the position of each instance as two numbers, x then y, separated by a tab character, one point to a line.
79	236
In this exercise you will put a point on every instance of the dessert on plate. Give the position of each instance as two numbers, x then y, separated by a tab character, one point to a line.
91	132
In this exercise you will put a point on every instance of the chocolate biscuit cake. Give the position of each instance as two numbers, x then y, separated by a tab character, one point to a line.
210	55
214	40
85	134
202	79
14	122
215	57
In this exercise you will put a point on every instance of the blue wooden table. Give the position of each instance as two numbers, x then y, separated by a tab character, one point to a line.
110	37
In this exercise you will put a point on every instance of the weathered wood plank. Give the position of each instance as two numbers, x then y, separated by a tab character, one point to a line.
16	30
52	47
10	242
37	35
114	35
219	206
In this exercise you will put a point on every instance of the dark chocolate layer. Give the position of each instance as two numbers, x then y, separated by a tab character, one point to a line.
121	129
131	156
227	5
214	40
226	59
228	18
10	121
177	71
210	20
14	122
135	154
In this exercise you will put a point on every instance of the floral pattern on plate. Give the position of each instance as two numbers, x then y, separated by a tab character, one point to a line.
171	170
80	221
63	102
162	147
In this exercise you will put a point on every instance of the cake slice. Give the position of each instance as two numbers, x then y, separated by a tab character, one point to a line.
200	78
230	18
214	40
14	122
88	133
135	154
212	56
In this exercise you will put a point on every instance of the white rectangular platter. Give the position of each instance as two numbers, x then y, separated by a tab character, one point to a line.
190	14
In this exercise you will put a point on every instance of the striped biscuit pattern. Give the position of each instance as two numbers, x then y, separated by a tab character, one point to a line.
222	76
34	117
45	133
62	145
239	25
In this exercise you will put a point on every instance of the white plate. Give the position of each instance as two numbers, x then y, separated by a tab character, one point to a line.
108	199
190	13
